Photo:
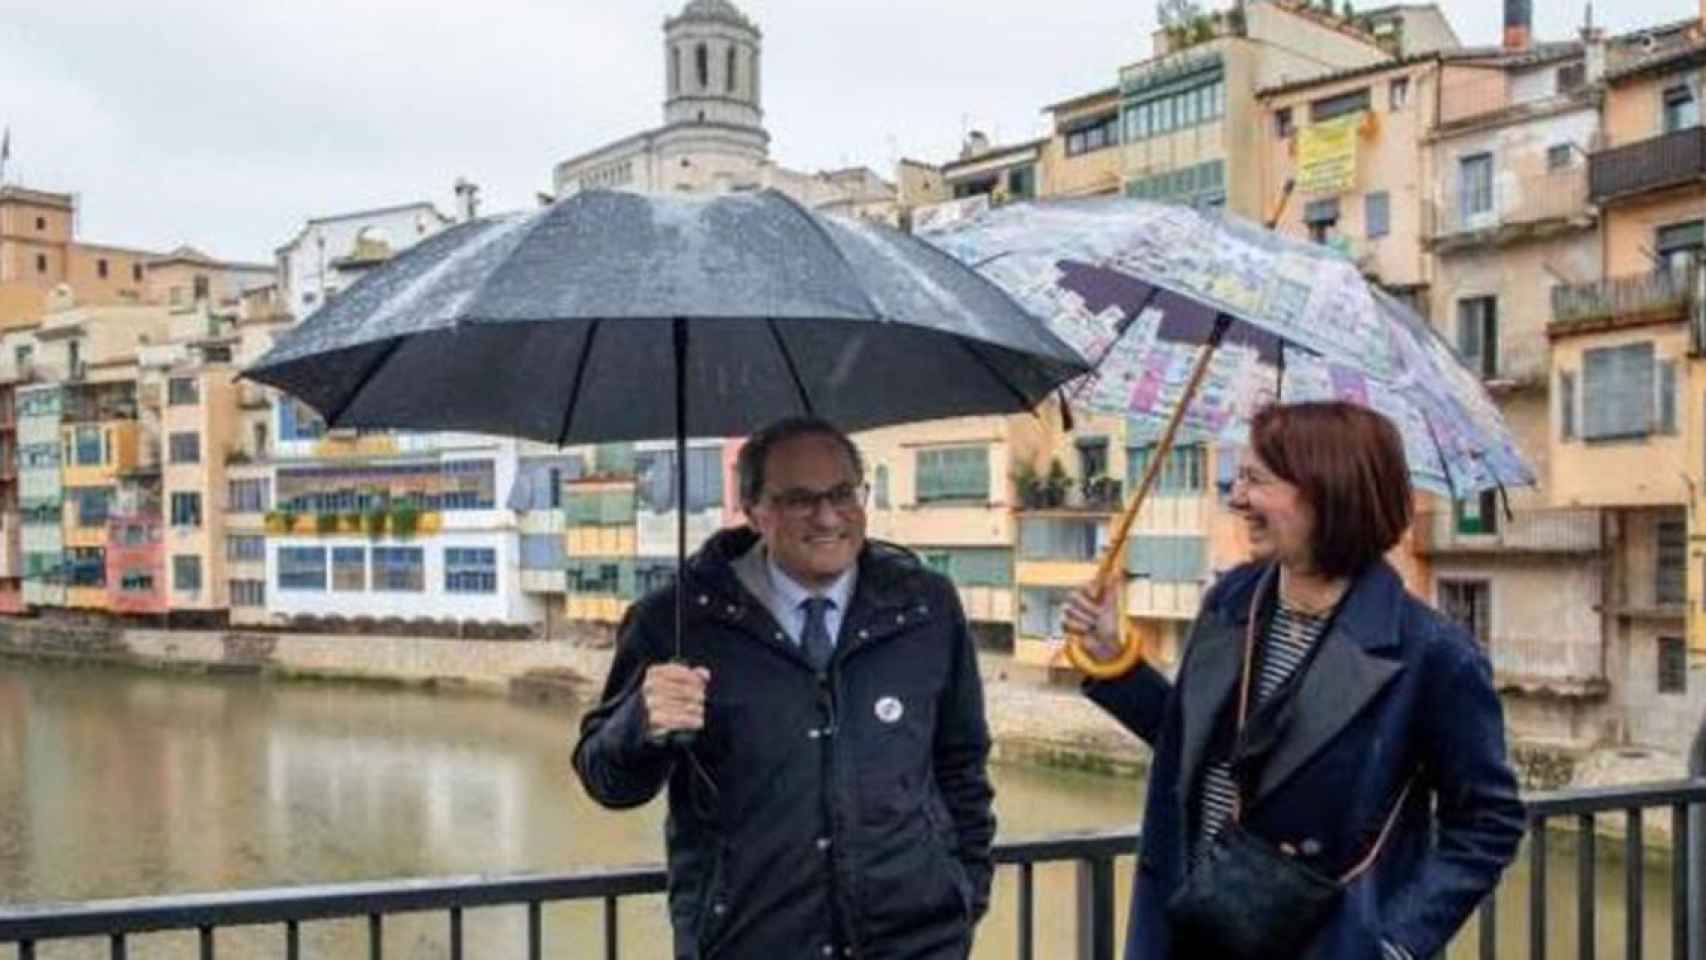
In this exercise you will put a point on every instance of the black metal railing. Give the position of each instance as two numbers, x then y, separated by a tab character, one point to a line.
1094	853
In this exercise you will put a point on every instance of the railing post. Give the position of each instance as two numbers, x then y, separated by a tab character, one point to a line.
1096	909
1696	853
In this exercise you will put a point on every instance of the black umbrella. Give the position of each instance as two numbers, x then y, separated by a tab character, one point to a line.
570	324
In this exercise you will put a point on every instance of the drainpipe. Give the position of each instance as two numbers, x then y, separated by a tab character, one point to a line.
1696	852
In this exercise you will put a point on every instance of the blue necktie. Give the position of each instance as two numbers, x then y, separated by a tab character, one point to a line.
814	639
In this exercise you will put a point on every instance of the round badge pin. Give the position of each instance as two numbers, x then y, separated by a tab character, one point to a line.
889	710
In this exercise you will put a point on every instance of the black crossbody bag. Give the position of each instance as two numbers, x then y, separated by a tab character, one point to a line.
1245	897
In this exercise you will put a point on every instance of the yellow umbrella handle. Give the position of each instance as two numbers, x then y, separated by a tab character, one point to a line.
1108	574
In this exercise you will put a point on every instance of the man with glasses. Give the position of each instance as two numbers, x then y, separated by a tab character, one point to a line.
833	800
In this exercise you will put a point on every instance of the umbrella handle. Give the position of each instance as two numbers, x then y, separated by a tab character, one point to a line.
1108	573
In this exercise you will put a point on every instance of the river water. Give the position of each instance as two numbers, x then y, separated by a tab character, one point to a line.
116	783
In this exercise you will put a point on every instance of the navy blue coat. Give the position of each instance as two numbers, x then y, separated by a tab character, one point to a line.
1395	691
845	814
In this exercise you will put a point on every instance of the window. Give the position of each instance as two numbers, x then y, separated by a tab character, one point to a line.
1679	245
88	566
1478	334
1092	457
1475	185
959	473
1072	539
201	286
1022	183
41	224
93	504
702	60
1478	515
1673	665
86	447
349	569
183	392
1284	126
185	447
399	569
1566	405
101	268
136	581
1342	105
243	549
1041	610
1400	93
134	535
1470	603
296	421
1681	109
1667	398
136	272
186	509
657	485
470	570
1618	385
1097	134
1200	103
302	568
675	70
1670	573
1202	185
729	80
542	551
880	487
971	566
1183	472
249	496
186	574
1321	216
1377	214
594	575
41	263
22	355
1558	156
1572	76
248	594
1168	559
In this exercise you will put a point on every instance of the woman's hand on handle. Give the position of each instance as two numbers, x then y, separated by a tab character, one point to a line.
1092	615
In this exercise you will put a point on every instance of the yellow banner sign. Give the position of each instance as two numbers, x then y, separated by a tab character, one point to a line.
1327	155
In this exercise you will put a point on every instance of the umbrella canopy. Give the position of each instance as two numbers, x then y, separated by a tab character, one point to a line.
1138	288
562	325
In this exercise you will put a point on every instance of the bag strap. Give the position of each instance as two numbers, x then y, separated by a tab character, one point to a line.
1362	866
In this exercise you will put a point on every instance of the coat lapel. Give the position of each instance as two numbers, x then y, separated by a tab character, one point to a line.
1341	681
1207	681
1346	673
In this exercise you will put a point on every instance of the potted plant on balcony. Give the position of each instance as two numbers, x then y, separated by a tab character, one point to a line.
1028	487
1057	485
325	523
405	520
373	522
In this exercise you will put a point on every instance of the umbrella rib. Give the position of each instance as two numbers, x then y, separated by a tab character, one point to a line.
1444	461
1025	403
367	373
580	376
793	369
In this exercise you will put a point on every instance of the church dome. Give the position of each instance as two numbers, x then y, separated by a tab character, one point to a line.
719	10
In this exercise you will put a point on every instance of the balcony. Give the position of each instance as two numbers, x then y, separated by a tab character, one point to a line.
1623	301
1672	160
1514	210
1539	532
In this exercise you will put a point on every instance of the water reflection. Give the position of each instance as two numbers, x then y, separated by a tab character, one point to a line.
128	784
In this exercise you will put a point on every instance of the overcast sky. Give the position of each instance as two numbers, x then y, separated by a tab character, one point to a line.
226	123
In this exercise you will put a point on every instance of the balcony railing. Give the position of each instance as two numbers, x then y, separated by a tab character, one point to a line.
1094	854
1539	531
1514	208
1670	160
1658	295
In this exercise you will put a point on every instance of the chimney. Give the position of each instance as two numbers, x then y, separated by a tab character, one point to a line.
467	199
1519	23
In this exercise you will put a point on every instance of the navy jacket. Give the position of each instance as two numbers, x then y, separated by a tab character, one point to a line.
1395	692
847	814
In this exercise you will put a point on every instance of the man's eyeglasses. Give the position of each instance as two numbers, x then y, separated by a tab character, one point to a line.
800	502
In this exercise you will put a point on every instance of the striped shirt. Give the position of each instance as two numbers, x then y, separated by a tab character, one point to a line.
1285	645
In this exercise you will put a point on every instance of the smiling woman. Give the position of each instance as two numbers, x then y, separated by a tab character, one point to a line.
1325	724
